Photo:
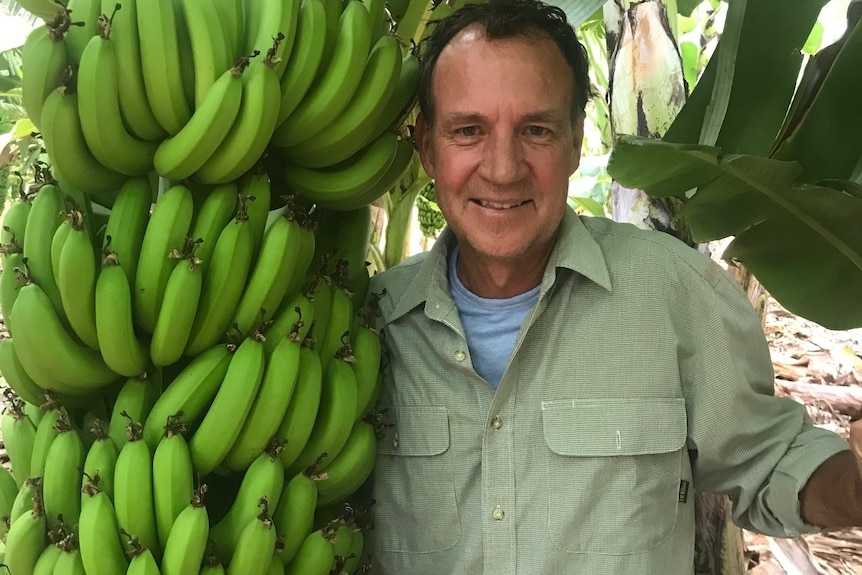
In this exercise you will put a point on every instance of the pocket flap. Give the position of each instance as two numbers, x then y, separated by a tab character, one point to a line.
608	427
416	431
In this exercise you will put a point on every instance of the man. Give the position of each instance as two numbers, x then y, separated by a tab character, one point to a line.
559	387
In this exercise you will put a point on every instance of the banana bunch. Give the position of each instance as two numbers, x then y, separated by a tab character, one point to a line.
180	91
190	367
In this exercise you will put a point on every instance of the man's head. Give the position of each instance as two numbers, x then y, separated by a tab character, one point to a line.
503	19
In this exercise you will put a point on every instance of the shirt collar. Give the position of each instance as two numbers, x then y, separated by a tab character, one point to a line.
575	250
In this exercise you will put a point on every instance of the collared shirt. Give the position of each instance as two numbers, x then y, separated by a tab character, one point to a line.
640	376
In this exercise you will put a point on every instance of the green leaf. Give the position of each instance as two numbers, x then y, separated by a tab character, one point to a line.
764	78
797	239
590	205
690	55
686	7
823	131
815	39
578	11
23	128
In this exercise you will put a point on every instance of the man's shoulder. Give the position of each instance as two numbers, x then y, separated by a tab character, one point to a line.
396	280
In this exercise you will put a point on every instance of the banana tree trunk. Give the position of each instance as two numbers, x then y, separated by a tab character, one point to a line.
647	89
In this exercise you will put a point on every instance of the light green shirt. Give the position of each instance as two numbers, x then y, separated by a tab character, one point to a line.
642	370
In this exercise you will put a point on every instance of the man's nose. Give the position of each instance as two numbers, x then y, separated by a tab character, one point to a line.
503	159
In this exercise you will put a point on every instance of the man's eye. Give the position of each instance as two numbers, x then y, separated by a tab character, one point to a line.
536	131
468	131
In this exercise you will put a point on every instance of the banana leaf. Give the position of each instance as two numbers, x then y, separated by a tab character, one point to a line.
578	11
761	81
802	242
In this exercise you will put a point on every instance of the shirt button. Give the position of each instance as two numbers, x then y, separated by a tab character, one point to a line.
460	355
498	513
497	422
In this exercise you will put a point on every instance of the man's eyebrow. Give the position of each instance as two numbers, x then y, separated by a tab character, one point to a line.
463	118
542	116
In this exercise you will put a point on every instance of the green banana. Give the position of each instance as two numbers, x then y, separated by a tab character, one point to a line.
47	10
345	235
72	161
224	418
365	342
127	224
211	53
294	514
41	340
276	567
10	282
307	246
133	490
25	540
270	404
222	286
402	162
347	179
347	133
341	544
166	230
315	556
191	392
293	321
337	331
61	481
173	477
44	58
187	64
46	432
379	19
250	133
57	243
32	410
231	20
99	109
217	209
135	400
47	560
177	313
354	553
100	545
353	465
334	416
182	154
263	479
305	58
14	226
85	16
19	435
255	546
136	110
101	459
256	191
143	562
43	221
187	542
15	375
271	274
30	489
69	562
121	349
274	17
160	62
402	99
76	280
334	88
8	492
298	422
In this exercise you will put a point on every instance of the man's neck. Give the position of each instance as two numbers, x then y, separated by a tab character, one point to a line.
498	278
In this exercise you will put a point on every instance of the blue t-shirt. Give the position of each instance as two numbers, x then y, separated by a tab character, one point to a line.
491	325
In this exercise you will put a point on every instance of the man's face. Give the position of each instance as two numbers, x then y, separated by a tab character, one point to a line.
503	143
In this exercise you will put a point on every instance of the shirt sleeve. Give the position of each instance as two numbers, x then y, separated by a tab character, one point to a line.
757	448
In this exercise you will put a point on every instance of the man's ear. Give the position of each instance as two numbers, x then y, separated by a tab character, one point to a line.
422	133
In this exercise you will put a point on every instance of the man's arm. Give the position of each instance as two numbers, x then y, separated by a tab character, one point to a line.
832	497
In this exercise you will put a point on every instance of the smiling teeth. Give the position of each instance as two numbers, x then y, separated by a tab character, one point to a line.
498	206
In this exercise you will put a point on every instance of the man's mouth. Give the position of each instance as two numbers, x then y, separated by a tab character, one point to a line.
499	205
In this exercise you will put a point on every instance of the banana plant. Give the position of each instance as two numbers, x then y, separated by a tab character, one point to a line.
776	166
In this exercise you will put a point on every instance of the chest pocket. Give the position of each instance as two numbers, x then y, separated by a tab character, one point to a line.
414	489
613	470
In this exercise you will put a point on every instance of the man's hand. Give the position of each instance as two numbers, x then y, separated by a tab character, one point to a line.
832	497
